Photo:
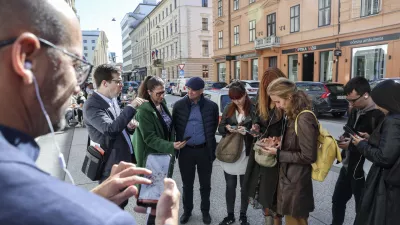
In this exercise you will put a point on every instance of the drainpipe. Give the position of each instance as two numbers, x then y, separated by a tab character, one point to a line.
150	39
337	57
230	39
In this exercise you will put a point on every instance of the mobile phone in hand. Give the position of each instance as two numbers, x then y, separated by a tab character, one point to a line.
233	127
350	130
161	167
187	138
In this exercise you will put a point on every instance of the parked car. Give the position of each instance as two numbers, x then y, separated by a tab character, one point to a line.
169	86
250	85
209	85
180	88
128	84
222	99
375	82
326	97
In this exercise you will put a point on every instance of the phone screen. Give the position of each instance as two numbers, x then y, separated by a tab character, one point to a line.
159	165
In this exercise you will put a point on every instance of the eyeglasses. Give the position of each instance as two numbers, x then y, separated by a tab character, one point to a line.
353	100
158	94
82	68
119	82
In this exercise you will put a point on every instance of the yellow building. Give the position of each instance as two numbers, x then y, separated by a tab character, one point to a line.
309	40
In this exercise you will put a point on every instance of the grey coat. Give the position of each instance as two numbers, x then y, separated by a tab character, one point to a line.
105	128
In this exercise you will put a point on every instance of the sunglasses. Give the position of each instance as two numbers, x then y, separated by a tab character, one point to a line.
353	100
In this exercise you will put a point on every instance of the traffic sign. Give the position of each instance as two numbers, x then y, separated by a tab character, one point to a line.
181	74
164	74
181	66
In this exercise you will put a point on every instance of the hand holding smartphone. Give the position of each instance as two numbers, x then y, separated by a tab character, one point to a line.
350	130
187	138
161	167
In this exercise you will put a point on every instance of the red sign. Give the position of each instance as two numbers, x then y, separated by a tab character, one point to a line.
181	66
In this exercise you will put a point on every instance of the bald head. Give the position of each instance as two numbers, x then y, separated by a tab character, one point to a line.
44	18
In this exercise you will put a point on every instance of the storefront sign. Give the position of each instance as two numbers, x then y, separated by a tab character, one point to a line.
220	60
246	56
309	48
371	39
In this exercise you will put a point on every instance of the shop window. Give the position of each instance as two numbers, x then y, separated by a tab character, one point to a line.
324	12
221	72
326	66
254	69
370	7
369	62
205	71
293	60
295	19
237	70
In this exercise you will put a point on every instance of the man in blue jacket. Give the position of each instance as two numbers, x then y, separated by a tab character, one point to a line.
41	67
196	117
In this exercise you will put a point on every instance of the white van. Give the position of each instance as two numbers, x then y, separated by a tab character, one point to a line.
180	87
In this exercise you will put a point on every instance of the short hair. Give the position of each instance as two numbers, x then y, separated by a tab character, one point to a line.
104	72
38	17
359	84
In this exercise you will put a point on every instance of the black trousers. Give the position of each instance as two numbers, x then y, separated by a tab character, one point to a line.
188	160
346	186
230	195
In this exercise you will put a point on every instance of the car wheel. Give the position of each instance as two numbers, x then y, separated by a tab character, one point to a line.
315	110
338	114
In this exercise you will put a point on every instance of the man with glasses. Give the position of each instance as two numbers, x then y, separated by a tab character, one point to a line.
41	67
364	117
107	125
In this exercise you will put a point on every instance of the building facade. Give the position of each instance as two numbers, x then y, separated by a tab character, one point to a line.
308	40
176	34
128	23
95	47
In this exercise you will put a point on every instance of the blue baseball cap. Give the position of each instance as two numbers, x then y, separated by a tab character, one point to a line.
195	83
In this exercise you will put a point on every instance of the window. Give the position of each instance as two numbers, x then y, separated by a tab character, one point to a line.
237	70
271	25
84	41
166	12
93	41
204	3
167	51
293	60
176	48
251	1
86	54
205	48
159	17
295	19
370	7
159	36
219	8
172	50
324	13
205	23
235	4
236	35
166	29
176	26
369	62
163	15
84	48
254	69
252	30
221	69
170	28
326	66
163	34
220	39
205	71
92	47
170	8
175	4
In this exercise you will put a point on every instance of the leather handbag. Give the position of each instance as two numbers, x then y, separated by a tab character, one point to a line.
264	159
230	148
94	162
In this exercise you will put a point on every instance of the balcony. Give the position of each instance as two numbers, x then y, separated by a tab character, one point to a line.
158	63
267	42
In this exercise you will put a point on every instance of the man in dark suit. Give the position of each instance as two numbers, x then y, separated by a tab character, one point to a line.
106	123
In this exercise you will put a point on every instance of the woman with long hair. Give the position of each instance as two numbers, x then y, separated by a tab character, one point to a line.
381	197
236	118
295	153
155	133
261	182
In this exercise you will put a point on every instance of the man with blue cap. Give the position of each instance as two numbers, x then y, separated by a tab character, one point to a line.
196	118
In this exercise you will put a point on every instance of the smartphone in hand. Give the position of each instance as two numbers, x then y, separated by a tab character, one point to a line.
187	138
350	130
233	127
161	167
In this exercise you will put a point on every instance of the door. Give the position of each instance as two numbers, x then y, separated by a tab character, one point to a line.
308	67
273	62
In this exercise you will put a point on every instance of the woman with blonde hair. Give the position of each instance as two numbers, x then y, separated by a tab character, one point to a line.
295	153
261	182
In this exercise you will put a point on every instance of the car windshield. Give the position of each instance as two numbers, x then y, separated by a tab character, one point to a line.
254	84
219	85
336	89
310	87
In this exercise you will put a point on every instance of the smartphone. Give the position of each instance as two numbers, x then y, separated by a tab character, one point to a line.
233	127
350	130
161	166
252	132
187	138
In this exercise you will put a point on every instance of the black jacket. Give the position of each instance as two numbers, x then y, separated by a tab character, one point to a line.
209	113
248	139
366	123
380	202
105	128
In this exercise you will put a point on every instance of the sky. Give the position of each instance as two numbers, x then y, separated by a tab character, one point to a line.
99	14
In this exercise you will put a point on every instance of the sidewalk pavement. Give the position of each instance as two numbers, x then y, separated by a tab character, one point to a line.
73	144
